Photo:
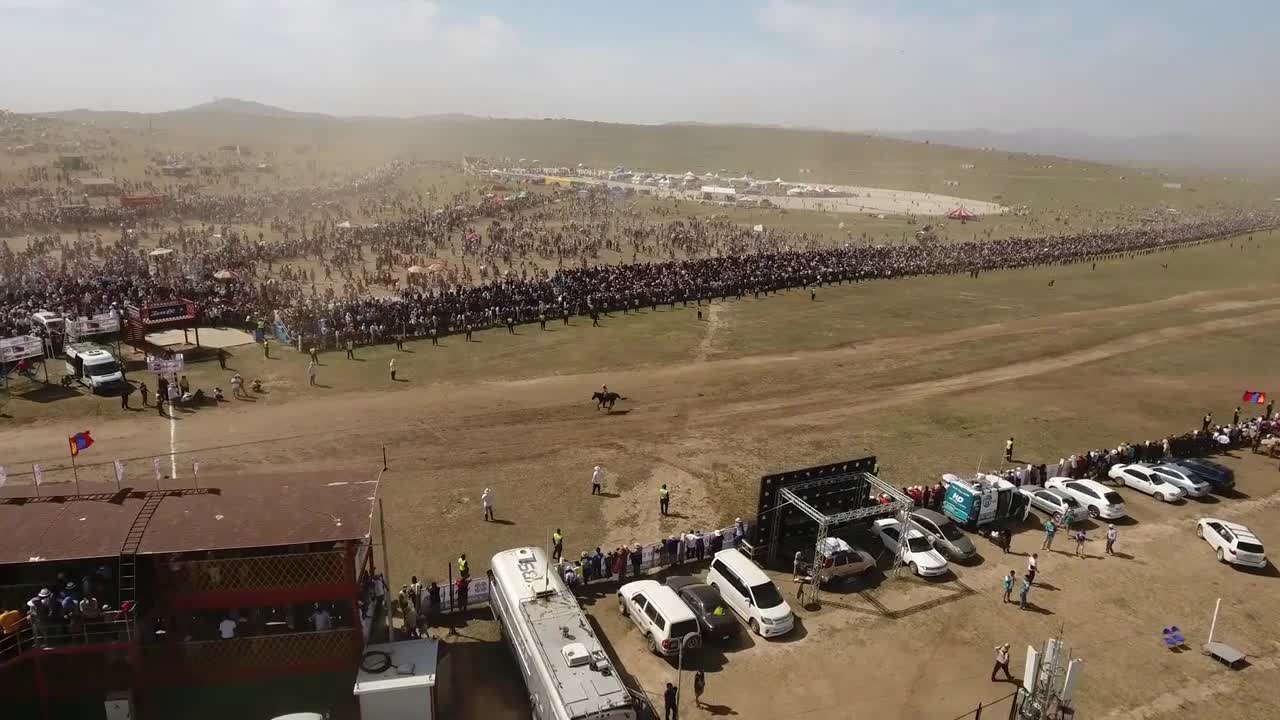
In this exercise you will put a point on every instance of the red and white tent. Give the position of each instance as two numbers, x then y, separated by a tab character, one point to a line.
962	213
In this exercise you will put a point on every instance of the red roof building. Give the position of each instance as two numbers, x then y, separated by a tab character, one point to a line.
245	577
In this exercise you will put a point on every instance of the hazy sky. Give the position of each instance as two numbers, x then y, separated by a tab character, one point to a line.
1131	67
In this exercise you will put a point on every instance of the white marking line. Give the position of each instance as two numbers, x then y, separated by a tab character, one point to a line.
173	445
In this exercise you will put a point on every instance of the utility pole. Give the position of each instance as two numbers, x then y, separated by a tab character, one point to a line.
1049	683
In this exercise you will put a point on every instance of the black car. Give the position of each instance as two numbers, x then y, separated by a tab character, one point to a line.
1219	476
714	617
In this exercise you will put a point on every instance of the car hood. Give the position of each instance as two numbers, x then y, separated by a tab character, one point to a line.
779	612
963	545
932	558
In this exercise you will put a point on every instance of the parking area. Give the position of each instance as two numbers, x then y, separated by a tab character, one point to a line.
905	647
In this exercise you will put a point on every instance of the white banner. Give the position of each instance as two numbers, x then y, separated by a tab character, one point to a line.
23	346
166	366
99	324
38	473
119	472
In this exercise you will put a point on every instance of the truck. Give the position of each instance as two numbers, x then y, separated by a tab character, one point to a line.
568	674
982	500
93	366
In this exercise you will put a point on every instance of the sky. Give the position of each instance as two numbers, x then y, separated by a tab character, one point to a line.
1131	68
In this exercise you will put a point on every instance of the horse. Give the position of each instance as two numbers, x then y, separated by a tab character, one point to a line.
606	399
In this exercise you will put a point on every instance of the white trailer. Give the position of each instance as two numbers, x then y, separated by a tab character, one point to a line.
567	672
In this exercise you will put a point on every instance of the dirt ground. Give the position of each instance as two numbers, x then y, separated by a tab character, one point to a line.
930	375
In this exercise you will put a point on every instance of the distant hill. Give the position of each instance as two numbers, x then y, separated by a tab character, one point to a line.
1172	151
234	106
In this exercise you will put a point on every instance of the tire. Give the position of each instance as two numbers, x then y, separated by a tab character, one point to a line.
1159	496
653	645
915	569
1199	531
1093	512
622	606
1221	556
755	626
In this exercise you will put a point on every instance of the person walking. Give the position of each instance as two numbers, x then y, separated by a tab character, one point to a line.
557	545
392	367
1235	417
222	358
1080	538
797	566
1049	530
351	349
1022	591
1032	567
125	392
142	390
311	373
597	480
486	501
464	570
1002	662
1008	450
1007	584
266	348
699	686
1111	538
463	588
664	499
1206	422
670	703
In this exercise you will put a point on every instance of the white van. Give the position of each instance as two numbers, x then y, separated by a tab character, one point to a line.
750	593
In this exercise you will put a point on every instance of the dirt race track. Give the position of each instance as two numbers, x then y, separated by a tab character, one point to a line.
713	405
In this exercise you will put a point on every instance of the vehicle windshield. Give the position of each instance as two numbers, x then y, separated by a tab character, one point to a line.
106	368
684	627
918	544
1113	498
766	596
950	531
1249	547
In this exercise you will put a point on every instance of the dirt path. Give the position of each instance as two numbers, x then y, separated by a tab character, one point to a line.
715	319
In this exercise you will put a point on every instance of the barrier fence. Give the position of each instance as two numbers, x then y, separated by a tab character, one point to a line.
653	557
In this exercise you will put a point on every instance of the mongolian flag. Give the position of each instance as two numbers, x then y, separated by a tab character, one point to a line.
80	441
1257	398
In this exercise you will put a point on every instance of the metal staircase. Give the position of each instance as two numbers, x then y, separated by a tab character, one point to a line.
127	575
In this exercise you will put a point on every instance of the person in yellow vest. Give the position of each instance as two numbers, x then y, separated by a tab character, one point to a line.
463	570
557	545
664	499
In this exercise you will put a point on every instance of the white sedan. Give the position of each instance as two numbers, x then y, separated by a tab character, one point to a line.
1183	478
919	554
1143	480
1234	542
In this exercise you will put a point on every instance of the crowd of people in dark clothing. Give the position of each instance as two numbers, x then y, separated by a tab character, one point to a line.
709	258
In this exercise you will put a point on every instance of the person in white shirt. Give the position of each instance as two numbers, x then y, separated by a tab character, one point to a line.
321	619
597	480
227	628
311	373
392	366
486	501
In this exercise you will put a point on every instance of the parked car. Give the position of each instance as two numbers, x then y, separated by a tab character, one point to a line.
1192	486
661	616
918	555
1099	500
1055	503
840	561
750	594
945	536
714	618
1219	476
1143	480
1233	542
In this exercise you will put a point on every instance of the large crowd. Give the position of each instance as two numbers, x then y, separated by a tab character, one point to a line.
500	239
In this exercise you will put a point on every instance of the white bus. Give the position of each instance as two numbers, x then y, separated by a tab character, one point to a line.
568	673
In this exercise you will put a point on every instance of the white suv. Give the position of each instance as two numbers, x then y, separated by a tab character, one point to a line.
1234	542
661	616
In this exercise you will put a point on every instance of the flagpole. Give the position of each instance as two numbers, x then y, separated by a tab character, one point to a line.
75	472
